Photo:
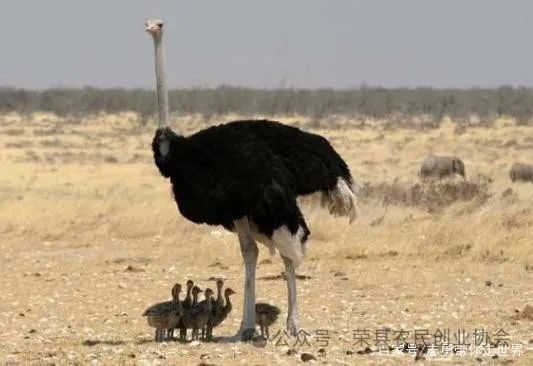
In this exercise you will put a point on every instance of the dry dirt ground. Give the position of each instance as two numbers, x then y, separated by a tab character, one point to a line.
90	236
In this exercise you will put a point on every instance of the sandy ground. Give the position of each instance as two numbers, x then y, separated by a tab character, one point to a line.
90	236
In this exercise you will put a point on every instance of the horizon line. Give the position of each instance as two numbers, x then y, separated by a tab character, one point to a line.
265	88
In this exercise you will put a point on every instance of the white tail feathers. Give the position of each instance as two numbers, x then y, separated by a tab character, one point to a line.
341	200
290	245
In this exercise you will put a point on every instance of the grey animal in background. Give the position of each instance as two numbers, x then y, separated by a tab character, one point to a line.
521	172
442	166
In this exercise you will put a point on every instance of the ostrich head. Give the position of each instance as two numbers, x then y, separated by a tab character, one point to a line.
196	290
229	292
154	26
208	293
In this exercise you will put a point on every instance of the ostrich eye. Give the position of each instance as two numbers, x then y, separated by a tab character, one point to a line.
160	25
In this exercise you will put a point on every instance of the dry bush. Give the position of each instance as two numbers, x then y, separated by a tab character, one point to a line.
21	144
13	131
419	108
54	131
431	195
52	143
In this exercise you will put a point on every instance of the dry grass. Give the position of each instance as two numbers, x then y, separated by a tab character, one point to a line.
90	236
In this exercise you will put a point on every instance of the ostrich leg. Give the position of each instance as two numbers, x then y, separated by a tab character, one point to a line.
249	252
292	318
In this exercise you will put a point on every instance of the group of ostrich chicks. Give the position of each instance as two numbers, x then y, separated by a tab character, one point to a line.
201	316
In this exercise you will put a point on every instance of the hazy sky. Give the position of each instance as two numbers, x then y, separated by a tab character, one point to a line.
293	43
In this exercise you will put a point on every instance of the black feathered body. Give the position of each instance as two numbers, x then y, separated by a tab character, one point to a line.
247	168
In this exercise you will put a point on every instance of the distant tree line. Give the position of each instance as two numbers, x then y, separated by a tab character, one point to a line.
397	104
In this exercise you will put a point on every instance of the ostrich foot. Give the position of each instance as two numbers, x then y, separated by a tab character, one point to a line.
292	326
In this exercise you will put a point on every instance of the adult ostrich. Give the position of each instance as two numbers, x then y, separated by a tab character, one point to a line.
246	176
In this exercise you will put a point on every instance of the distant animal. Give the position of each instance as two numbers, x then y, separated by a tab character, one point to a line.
521	172
441	167
165	316
246	176
265	316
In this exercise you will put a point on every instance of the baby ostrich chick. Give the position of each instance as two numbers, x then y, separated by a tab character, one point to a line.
165	315
218	305
265	316
216	310
202	315
187	303
189	314
220	316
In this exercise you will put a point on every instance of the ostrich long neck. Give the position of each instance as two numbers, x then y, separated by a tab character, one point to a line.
188	297
162	93
176	299
228	306
209	304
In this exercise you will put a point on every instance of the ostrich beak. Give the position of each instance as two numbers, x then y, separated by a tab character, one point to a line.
152	27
